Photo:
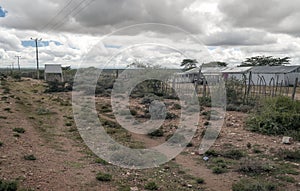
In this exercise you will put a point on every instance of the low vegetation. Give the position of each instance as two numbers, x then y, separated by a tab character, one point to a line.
104	177
19	130
253	185
29	157
276	116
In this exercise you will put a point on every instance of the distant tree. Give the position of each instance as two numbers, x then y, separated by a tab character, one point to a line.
265	61
189	64
216	64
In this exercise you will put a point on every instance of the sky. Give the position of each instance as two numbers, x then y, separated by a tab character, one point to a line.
115	33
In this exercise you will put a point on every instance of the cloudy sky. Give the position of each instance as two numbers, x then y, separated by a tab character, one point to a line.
116	33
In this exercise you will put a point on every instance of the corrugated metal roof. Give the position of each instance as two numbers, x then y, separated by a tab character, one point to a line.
236	70
205	70
273	69
53	68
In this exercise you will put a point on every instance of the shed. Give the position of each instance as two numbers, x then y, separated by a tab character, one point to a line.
238	73
53	72
211	74
271	75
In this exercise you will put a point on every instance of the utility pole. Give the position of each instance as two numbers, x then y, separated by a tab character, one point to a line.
37	56
18	57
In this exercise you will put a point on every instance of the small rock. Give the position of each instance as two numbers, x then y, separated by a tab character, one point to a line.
287	140
189	185
134	189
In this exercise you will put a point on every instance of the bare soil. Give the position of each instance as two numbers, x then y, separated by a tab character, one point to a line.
63	162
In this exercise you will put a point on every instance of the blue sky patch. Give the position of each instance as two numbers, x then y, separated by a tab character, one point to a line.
3	12
31	43
113	46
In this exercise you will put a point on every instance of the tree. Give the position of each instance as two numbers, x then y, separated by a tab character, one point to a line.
215	64
265	61
189	64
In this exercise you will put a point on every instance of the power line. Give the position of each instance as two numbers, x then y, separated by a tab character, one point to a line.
59	24
57	14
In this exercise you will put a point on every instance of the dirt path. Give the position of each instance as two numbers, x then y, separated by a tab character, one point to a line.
62	162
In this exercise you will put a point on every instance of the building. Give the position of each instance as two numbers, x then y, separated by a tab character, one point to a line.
238	73
272	75
210	74
53	72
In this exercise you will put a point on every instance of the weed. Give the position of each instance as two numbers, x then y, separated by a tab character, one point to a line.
3	117
1	144
251	185
104	177
29	157
151	186
19	130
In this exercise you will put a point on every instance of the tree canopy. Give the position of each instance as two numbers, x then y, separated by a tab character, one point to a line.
265	61
215	64
189	64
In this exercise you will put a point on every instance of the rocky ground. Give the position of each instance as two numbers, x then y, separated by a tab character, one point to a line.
42	150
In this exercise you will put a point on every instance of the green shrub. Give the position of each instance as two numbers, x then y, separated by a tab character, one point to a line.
276	116
253	185
19	130
170	115
29	157
177	106
210	133
254	167
218	170
101	161
175	138
233	154
104	177
156	133
124	188
68	124
212	152
286	179
1	144
8	185
204	101
151	186
200	180
290	155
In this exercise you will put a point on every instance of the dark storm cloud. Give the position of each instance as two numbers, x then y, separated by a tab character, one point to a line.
275	16
239	38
